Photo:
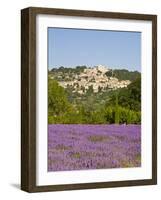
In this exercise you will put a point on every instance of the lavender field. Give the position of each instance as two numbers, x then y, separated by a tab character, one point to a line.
82	147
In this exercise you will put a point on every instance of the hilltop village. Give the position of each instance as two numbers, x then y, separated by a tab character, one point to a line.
94	78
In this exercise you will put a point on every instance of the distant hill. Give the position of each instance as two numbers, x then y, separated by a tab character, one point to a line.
124	74
62	69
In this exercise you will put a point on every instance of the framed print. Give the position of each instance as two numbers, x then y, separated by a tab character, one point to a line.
88	99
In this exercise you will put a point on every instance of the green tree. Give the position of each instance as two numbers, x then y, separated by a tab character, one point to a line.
109	114
57	99
90	90
129	97
116	110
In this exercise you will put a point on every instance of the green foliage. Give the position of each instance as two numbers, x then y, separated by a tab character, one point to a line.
110	114
123	74
62	69
57	99
116	110
125	115
90	90
129	97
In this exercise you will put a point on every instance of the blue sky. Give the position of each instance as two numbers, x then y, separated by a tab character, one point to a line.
114	49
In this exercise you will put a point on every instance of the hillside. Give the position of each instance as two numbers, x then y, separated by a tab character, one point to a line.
124	74
90	99
99	78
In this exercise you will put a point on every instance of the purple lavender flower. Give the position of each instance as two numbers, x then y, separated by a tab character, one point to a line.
78	147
